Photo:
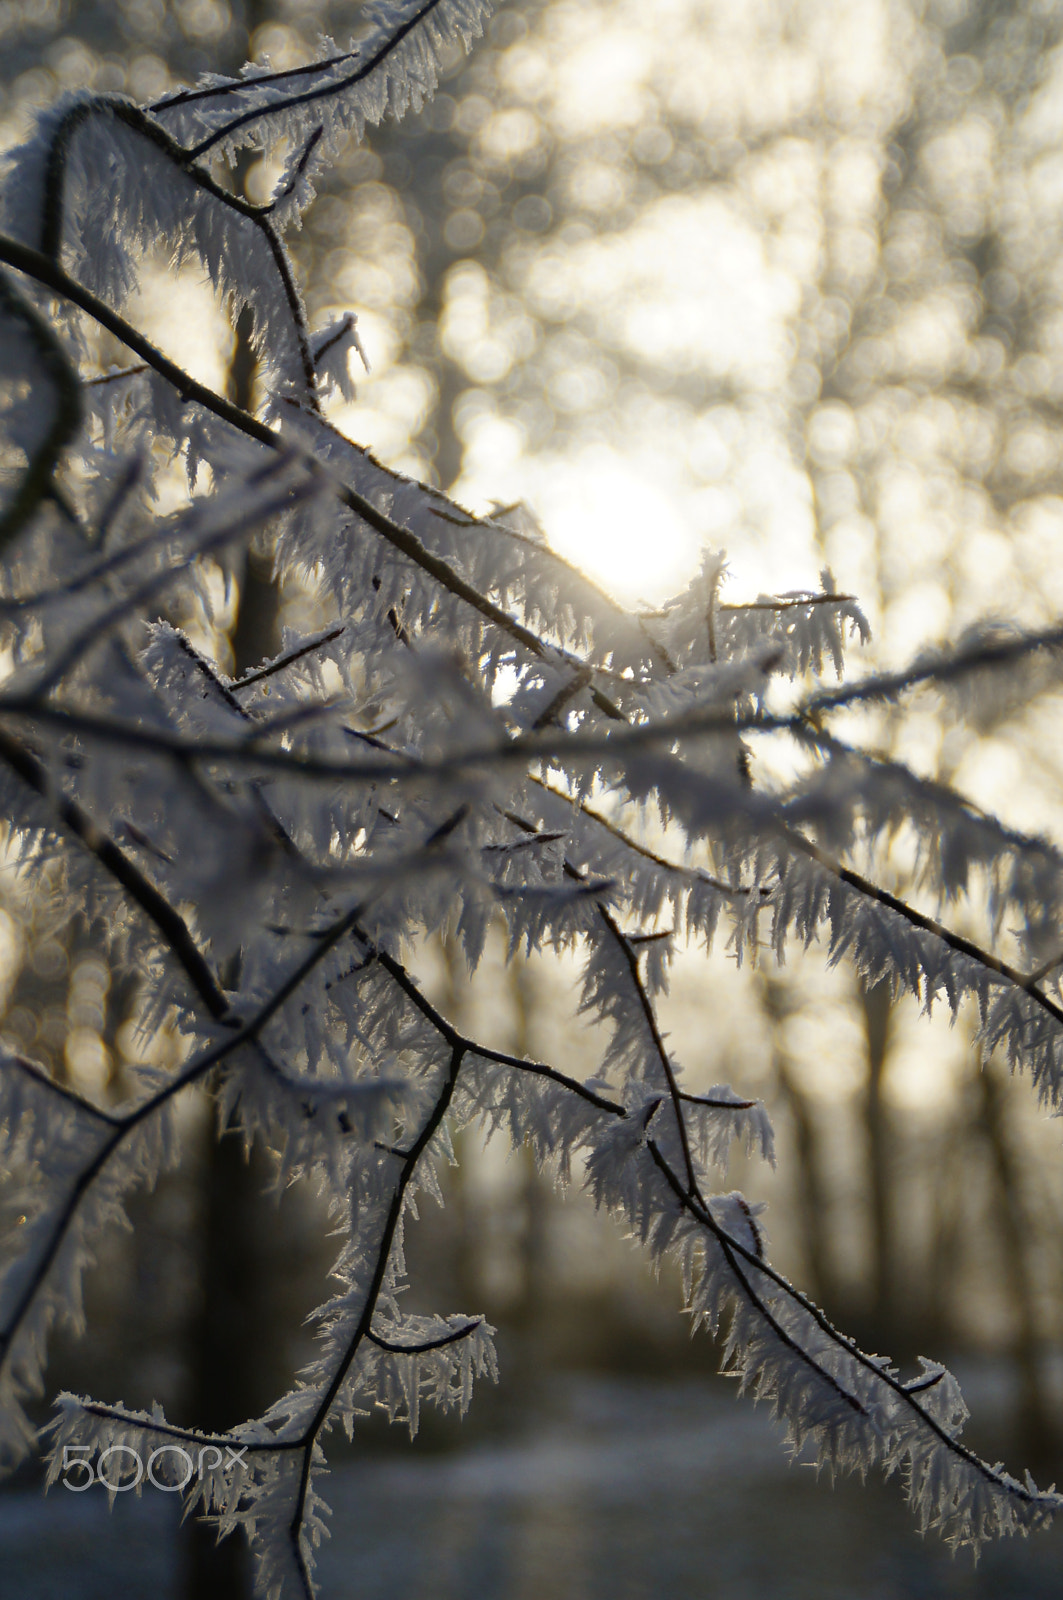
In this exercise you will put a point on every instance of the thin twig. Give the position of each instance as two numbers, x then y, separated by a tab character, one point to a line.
453	1337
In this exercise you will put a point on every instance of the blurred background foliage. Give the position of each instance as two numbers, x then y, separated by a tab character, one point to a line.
782	279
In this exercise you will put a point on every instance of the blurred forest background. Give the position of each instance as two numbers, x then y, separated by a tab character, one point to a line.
780	279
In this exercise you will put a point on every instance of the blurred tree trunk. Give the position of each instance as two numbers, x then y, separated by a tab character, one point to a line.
1038	1436
811	1190
948	1220
884	1308
224	1374
534	1196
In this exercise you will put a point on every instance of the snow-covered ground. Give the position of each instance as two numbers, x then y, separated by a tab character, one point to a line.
608	1491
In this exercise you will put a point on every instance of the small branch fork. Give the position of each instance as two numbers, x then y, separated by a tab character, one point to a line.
735	1252
293	102
144	125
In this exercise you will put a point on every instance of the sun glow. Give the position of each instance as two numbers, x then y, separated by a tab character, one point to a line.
630	359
